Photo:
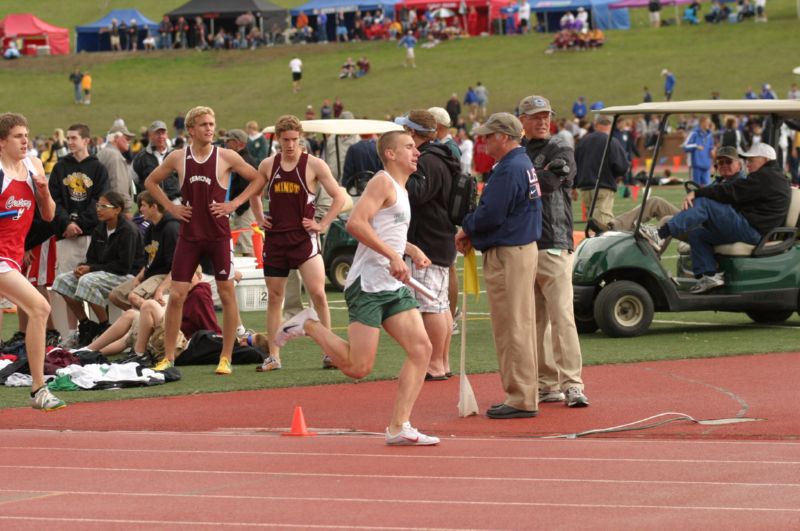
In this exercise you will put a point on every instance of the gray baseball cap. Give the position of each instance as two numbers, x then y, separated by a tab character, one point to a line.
534	104
727	152
158	125
500	122
121	129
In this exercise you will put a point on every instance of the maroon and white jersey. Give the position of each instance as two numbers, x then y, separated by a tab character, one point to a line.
199	189
18	197
289	198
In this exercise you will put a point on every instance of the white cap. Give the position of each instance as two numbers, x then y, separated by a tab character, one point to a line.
664	72
441	116
761	149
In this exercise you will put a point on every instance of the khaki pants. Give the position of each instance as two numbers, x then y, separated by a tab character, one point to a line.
559	356
509	273
603	208
656	208
244	244
70	253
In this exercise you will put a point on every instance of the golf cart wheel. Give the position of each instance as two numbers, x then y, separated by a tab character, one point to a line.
769	316
623	309
585	324
340	267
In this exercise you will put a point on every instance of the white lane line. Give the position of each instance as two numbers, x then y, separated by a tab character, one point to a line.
163	451
184	523
359	435
449	478
478	503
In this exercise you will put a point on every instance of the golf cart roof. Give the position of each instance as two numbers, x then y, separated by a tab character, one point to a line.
784	108
345	126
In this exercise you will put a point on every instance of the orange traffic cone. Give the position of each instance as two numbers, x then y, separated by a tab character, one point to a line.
298	428
634	192
676	163
583	211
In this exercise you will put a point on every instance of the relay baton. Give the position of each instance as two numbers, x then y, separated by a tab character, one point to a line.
415	284
8	213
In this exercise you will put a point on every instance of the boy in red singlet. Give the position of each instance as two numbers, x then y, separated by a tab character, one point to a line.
23	183
204	175
291	234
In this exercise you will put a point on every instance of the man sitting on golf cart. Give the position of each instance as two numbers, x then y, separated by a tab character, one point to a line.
742	210
729	167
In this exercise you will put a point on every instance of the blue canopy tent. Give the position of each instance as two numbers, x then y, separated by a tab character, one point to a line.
93	37
601	16
347	7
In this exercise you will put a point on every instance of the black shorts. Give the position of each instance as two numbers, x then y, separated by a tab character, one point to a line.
297	76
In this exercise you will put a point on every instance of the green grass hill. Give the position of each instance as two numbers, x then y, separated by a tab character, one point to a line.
244	85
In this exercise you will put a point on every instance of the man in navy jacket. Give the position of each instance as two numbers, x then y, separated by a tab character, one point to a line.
505	227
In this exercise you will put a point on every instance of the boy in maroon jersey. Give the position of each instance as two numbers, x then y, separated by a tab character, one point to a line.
292	236
204	175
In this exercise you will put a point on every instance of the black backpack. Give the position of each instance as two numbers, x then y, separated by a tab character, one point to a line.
205	346
463	195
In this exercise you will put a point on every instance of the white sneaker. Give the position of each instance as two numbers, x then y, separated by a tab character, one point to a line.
294	326
576	398
551	396
409	436
650	234
707	283
45	400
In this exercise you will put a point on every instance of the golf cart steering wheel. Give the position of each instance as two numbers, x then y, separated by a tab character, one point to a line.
691	186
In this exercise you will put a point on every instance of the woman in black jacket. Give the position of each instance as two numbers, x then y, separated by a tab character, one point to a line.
114	254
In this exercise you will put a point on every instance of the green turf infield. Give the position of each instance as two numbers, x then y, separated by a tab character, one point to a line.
671	336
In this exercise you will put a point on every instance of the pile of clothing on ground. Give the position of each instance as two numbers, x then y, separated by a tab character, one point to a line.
75	370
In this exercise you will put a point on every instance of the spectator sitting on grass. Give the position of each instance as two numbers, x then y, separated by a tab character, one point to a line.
115	251
143	330
363	67
348	69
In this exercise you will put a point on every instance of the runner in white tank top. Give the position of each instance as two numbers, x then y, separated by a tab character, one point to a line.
391	226
375	293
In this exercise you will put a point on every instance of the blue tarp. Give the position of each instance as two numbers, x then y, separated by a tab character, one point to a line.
600	15
91	39
332	6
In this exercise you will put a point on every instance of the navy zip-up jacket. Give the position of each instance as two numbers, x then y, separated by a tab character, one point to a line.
510	210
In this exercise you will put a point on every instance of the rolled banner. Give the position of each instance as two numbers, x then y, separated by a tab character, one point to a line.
415	284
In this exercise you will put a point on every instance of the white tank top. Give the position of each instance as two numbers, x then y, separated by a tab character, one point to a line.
391	225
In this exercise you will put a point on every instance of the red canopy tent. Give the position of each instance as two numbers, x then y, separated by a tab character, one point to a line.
34	33
476	23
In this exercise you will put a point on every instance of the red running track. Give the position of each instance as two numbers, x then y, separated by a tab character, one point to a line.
126	480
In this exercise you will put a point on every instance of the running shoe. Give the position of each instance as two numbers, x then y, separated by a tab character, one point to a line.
576	398
551	396
44	400
70	341
294	326
650	234
327	362
163	365
707	283
52	338
269	364
224	367
409	436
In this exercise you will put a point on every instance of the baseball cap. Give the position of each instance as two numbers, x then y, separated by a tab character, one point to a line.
121	129
236	134
760	150
534	104
158	125
727	152
440	115
501	122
